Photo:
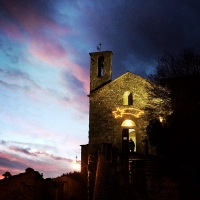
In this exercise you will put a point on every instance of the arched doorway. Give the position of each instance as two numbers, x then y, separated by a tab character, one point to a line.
128	132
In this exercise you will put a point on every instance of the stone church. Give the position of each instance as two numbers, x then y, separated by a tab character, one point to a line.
116	106
116	116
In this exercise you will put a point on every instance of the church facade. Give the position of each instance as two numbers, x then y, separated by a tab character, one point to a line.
116	112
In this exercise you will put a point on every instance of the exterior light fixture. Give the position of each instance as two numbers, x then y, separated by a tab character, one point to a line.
128	124
119	113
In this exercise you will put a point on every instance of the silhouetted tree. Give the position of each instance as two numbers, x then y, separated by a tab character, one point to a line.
7	175
75	175
174	95
169	82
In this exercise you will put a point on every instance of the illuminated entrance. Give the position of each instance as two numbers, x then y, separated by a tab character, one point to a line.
128	132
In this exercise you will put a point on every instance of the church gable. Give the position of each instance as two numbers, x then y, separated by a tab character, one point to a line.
128	89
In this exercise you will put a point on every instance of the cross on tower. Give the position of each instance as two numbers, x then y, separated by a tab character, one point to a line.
99	47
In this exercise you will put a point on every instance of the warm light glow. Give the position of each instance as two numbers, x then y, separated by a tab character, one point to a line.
127	111
128	123
77	166
161	119
118	113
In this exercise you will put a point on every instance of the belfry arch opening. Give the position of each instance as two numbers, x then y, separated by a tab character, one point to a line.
128	133
100	66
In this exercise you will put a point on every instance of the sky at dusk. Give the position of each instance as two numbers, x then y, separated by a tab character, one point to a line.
44	68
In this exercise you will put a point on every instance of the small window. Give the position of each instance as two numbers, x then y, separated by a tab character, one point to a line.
127	98
100	66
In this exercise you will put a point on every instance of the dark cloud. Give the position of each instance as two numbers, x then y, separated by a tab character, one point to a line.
15	74
53	157
139	31
3	142
9	50
4	162
34	145
23	5
22	150
12	80
46	8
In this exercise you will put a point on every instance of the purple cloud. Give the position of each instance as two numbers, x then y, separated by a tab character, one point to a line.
22	150
5	162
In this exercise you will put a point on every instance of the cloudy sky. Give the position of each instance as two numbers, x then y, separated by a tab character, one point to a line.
44	68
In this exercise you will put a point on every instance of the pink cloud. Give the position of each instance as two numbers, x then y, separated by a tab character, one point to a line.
31	20
53	157
55	54
52	167
7	169
27	19
47	47
41	45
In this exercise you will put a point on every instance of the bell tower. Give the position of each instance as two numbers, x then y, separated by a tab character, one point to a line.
100	69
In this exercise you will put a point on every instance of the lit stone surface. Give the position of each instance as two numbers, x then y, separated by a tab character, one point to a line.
104	127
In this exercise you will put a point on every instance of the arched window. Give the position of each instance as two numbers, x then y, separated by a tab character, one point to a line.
100	66
127	98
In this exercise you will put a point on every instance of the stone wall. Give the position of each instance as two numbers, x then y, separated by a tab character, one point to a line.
95	80
106	183
103	126
84	161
